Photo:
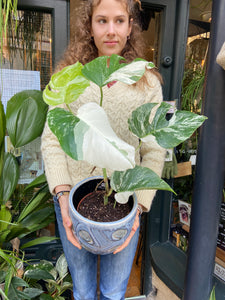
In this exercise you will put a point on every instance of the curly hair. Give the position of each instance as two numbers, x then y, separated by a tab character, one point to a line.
82	47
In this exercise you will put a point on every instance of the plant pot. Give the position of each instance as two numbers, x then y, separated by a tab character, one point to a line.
99	237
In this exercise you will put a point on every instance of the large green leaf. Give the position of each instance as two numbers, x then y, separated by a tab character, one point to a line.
91	130
168	134
15	293
66	85
97	70
25	117
9	178
37	273
130	73
138	178
33	222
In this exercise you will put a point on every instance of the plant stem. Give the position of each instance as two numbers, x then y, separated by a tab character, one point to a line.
67	105
139	146
101	91
106	186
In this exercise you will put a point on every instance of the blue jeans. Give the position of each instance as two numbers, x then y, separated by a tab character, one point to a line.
114	268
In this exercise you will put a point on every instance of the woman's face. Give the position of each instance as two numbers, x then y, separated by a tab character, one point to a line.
110	27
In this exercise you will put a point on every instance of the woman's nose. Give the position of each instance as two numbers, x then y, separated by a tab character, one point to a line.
111	28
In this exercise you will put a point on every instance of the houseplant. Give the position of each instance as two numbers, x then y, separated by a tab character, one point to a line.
23	122
110	152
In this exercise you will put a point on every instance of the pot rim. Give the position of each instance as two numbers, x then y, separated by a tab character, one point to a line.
95	223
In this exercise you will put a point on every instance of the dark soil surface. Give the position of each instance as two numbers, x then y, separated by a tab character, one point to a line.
92	207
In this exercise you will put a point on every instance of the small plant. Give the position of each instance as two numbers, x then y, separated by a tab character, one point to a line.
56	278
213	294
110	152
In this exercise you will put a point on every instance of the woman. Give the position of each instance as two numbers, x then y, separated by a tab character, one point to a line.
103	28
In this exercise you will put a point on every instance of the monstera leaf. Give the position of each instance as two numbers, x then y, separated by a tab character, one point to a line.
138	178
66	86
90	137
168	134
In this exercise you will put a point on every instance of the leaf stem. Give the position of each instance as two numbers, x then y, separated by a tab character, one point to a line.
70	110
139	146
106	186
101	91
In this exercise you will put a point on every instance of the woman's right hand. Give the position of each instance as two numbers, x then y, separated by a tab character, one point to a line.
67	222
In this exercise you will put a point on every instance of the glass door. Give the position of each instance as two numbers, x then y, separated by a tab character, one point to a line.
164	24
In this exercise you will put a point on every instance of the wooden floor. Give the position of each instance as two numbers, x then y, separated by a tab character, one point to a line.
134	283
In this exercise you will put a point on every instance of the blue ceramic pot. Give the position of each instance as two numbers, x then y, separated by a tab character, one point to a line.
98	237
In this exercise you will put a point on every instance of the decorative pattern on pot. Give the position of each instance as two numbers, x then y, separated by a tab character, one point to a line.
98	237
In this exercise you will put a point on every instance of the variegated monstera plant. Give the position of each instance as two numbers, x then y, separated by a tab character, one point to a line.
91	124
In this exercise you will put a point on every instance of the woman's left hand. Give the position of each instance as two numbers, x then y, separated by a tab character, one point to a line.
133	230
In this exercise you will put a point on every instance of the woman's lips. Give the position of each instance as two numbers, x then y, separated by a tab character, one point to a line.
111	43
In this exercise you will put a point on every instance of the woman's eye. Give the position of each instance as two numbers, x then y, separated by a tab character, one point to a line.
119	21
102	21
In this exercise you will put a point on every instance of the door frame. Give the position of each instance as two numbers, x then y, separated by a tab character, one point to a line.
173	39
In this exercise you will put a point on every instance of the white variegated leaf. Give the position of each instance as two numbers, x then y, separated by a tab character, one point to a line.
101	146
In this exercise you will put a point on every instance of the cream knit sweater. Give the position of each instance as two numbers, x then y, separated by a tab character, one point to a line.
119	101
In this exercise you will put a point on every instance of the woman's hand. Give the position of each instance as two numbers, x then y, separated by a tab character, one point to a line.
67	222
133	230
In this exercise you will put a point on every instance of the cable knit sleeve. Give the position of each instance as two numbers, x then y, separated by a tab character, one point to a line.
152	155
55	162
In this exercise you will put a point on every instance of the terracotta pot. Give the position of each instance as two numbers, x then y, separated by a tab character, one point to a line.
99	237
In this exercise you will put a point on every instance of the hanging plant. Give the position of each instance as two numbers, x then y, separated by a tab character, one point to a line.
8	13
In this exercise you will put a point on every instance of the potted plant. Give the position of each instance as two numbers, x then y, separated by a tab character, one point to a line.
23	122
110	152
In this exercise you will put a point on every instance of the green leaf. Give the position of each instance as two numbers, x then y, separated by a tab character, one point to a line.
213	294
97	70
91	130
5	217
168	134
38	274
35	218
129	73
46	297
40	197
14	293
62	266
138	178
62	124
9	178
38	241
139	121
40	180
32	292
25	117
66	85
